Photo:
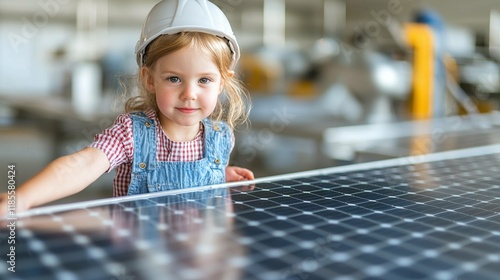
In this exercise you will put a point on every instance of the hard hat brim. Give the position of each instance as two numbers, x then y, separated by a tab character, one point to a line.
233	44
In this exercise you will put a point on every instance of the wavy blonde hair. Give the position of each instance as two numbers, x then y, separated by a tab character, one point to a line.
233	104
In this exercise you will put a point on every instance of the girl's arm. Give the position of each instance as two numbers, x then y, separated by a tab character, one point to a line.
64	176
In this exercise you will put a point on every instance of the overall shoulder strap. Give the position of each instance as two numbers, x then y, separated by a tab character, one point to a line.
218	137
144	130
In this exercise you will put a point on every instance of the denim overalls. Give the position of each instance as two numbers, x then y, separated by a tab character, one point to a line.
150	175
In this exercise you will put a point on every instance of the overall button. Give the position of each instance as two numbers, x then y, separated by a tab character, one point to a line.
217	161
142	165
147	124
216	128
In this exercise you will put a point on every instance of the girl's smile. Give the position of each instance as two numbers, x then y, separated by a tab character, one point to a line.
187	110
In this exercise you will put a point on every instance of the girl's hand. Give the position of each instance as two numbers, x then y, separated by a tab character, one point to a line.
234	174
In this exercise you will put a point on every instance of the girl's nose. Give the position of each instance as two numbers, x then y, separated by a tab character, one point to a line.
189	93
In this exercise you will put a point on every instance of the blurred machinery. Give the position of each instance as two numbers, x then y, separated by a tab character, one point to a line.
471	80
334	83
400	82
374	79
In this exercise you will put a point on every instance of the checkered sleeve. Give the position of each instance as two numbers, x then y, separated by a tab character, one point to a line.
116	141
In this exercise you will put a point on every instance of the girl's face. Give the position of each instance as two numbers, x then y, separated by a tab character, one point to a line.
187	84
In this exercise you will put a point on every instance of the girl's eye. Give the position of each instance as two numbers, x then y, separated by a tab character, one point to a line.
204	80
174	79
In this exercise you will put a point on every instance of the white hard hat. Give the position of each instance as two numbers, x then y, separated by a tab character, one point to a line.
174	16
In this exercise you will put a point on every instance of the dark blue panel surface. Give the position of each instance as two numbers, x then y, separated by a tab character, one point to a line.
432	220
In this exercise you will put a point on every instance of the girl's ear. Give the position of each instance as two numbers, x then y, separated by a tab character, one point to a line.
147	78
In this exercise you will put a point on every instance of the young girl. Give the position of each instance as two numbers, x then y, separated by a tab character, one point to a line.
178	131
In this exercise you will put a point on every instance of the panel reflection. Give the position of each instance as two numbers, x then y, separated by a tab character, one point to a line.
181	236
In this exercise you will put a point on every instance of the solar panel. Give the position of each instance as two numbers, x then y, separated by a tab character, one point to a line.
427	217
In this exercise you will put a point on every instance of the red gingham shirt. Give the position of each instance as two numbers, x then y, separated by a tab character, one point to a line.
117	142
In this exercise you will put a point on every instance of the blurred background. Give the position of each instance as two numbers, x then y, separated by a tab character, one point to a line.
310	67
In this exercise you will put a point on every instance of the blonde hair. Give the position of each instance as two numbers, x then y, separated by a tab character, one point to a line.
233	105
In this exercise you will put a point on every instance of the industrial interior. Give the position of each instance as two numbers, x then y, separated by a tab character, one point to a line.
351	85
309	66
